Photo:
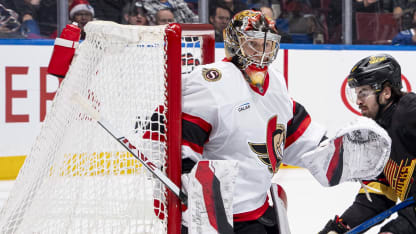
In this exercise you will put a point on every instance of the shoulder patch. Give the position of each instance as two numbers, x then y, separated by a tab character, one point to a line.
211	74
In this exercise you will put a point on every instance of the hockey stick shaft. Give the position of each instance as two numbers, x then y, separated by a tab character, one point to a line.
131	148
380	217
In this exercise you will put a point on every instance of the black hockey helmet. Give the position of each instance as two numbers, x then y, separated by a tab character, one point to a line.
375	71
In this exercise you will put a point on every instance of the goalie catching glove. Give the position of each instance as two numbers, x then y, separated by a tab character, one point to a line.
357	152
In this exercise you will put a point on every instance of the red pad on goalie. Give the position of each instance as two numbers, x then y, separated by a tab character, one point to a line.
279	198
210	197
281	194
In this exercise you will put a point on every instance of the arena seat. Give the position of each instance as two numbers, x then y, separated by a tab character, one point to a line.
375	28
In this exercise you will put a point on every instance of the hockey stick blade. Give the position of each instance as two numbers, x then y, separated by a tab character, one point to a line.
380	217
129	147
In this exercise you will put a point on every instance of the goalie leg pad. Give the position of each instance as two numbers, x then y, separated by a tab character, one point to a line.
279	198
210	196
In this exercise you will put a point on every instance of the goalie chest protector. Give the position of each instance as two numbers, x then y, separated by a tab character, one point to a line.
218	99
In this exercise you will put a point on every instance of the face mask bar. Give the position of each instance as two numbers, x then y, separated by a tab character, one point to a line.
259	48
359	93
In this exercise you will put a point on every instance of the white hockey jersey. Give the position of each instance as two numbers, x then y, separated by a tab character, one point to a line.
225	118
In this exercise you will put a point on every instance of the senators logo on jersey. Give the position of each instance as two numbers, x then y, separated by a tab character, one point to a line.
271	152
211	74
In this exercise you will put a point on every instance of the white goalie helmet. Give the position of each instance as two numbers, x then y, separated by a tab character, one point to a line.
251	39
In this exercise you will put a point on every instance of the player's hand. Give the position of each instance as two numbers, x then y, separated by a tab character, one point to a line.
4	29
386	233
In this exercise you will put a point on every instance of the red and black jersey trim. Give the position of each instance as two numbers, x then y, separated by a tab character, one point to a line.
380	179
252	215
195	132
298	124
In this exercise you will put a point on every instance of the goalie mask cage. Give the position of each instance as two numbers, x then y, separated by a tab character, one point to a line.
77	178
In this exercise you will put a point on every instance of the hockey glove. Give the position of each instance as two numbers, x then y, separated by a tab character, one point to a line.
335	226
404	223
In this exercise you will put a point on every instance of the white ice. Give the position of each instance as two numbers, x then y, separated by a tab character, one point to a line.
310	205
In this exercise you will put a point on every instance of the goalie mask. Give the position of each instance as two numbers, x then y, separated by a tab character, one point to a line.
374	71
251	42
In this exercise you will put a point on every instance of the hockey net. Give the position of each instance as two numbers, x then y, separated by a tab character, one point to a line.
77	178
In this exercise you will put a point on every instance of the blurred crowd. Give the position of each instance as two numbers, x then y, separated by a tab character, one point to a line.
298	21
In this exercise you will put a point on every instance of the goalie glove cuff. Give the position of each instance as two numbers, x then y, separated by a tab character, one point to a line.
335	226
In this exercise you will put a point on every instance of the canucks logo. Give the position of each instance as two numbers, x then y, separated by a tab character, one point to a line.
271	152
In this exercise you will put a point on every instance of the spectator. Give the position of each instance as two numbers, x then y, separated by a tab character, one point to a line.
407	37
234	5
40	18
46	16
403	7
110	10
164	16
25	9
135	14
380	6
9	24
219	16
21	7
282	22
268	11
179	8
81	12
304	26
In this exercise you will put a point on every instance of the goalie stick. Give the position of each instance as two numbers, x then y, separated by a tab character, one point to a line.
93	113
380	217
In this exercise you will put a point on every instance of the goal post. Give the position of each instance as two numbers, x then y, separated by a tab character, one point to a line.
77	178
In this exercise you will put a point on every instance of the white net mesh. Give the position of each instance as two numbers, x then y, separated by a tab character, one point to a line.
191	54
77	178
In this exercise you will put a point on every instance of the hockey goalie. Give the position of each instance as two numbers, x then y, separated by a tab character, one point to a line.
239	109
238	125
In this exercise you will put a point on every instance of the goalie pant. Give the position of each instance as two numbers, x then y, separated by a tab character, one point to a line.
224	118
398	179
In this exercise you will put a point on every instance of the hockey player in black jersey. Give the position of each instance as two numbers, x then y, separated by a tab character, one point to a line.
376	83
